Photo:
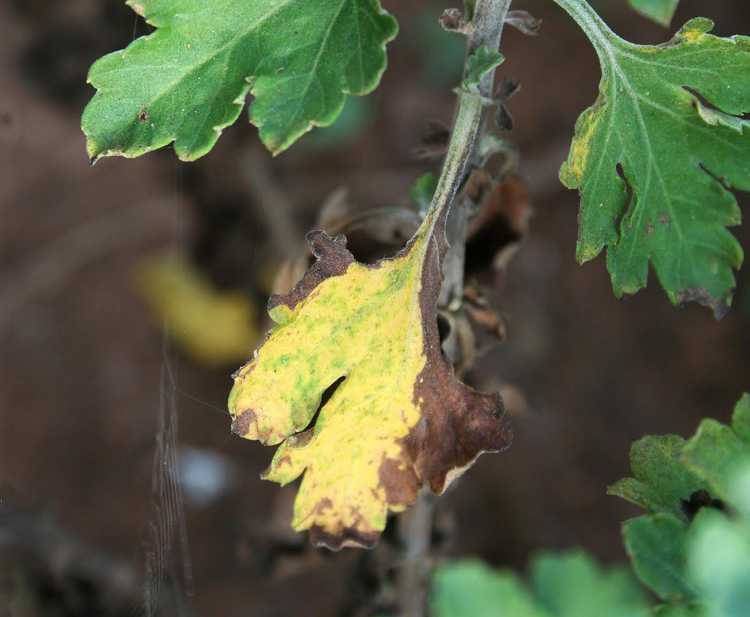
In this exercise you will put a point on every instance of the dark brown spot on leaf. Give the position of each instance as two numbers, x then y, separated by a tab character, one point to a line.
349	537
401	485
699	500
332	259
720	306
241	423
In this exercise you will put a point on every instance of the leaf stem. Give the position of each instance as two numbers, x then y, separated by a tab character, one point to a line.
597	31
416	525
488	21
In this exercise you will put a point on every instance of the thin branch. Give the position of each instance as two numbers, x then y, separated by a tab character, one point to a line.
487	27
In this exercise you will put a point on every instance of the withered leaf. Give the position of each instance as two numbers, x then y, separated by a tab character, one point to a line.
398	419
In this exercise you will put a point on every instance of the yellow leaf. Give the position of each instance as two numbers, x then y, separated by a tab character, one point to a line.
398	420
212	326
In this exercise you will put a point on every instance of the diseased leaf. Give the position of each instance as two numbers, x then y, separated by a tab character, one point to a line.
661	482
717	450
188	80
397	420
661	11
657	546
655	159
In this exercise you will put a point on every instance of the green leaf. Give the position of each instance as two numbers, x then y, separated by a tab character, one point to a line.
658	550
565	585
679	610
661	11
423	190
653	173
472	589
740	491
661	482
573	585
741	418
188	80
481	62
717	450
719	562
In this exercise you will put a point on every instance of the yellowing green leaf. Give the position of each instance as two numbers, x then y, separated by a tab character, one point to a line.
188	80
398	420
655	159
212	326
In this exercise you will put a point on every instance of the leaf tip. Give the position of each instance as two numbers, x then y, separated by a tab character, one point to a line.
719	306
347	538
695	29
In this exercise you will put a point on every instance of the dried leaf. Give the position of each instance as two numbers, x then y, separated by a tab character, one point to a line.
398	419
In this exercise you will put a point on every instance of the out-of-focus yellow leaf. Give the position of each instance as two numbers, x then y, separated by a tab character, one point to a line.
212	326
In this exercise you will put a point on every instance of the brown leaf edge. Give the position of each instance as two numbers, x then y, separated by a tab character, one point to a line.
458	424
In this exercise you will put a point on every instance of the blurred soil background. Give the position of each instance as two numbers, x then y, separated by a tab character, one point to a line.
87	378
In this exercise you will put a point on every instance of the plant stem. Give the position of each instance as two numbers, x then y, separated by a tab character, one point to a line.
487	27
415	529
598	32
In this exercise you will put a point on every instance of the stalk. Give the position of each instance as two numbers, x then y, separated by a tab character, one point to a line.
416	524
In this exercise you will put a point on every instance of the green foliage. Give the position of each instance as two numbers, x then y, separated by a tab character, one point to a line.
699	565
188	80
481	62
668	470
661	482
657	549
656	156
423	190
661	11
718	450
719	557
559	580
471	589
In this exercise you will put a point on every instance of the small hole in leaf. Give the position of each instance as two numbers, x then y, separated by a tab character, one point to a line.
482	247
709	105
630	195
444	328
720	179
323	400
699	500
